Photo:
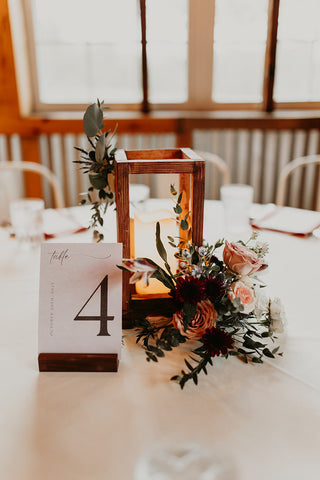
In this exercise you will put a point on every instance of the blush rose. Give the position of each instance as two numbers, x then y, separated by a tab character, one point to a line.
241	259
203	320
245	293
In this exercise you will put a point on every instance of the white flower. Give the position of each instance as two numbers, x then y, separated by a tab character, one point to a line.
185	253
197	270
261	305
277	316
261	248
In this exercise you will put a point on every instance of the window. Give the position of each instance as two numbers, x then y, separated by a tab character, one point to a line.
174	54
298	52
82	47
240	38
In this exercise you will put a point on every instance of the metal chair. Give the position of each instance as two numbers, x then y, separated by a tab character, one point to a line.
41	170
287	171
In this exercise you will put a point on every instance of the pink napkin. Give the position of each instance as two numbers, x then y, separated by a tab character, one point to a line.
60	223
294	221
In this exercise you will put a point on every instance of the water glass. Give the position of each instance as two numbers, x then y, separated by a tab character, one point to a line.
27	220
237	200
138	195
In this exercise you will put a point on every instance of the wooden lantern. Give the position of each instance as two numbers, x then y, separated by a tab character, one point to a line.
191	170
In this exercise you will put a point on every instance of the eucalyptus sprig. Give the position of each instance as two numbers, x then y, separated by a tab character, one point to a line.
194	370
157	340
98	163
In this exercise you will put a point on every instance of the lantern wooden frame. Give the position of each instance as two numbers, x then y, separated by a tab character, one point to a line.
191	170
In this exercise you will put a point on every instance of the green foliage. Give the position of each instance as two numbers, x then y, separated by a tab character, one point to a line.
92	120
161	250
98	181
157	340
173	191
189	311
193	370
163	277
100	148
98	162
184	225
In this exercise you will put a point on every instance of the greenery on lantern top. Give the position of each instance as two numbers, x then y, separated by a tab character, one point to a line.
219	306
98	163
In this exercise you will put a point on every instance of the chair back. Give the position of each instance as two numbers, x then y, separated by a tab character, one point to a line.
289	169
41	170
217	162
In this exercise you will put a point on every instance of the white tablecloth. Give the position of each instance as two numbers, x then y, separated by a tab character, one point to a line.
264	419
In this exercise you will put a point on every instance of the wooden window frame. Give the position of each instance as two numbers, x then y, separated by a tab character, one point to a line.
201	24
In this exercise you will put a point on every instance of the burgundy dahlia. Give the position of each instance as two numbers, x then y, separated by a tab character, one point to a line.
215	287
189	290
217	342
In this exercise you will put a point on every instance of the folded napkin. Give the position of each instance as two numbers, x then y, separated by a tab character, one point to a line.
294	221
60	222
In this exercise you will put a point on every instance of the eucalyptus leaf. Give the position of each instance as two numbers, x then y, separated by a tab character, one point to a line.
249	343
163	277
173	190
257	360
188	365
100	148
92	120
184	225
97	181
267	353
219	243
161	250
177	209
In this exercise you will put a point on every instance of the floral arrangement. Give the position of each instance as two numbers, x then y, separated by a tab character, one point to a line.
98	162
219	306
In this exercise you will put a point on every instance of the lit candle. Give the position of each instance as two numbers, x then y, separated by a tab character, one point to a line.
145	245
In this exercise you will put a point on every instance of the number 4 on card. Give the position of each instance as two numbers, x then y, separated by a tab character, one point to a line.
103	318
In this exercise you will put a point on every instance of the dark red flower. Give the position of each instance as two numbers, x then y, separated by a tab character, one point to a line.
215	287
217	342
189	290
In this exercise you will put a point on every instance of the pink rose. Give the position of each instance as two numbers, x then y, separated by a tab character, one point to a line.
241	259
245	293
204	319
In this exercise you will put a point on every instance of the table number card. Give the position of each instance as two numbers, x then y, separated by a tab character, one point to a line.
80	306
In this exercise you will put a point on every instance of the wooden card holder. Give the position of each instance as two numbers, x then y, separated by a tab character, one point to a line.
78	362
191	170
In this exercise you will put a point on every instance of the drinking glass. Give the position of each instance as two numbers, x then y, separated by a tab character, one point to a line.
237	200
26	216
138	194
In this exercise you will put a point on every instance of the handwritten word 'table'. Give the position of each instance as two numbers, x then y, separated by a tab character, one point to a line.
59	256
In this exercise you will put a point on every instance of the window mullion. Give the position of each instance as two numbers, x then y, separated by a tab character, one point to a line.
270	58
145	100
201	19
